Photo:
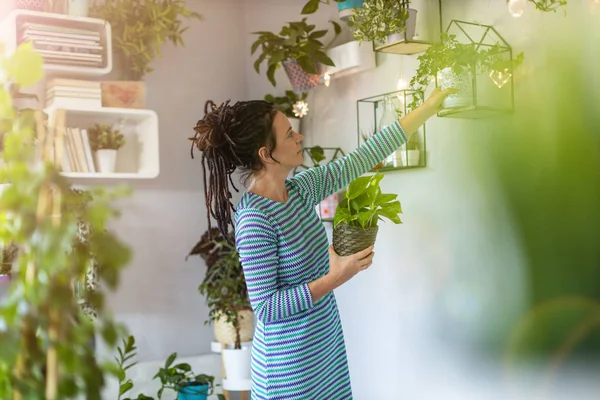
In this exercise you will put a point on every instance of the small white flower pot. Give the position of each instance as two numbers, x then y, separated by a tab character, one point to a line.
413	158
237	363
106	160
79	8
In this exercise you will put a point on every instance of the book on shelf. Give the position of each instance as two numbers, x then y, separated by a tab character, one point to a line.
77	152
61	92
64	46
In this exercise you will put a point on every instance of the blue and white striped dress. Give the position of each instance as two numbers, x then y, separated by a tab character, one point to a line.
298	349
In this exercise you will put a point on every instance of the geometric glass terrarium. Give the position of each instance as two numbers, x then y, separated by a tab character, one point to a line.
376	112
485	86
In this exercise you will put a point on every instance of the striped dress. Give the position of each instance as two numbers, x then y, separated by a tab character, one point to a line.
298	349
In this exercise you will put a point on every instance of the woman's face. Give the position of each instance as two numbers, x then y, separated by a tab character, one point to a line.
288	143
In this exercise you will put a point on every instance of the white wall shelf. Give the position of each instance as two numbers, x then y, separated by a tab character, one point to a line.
139	157
9	32
350	58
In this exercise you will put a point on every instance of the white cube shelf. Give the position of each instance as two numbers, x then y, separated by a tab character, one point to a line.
10	25
139	157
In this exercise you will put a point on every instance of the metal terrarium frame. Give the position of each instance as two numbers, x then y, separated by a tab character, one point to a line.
482	37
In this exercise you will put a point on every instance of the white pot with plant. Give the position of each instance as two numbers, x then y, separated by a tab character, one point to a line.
412	150
384	21
226	295
105	141
356	218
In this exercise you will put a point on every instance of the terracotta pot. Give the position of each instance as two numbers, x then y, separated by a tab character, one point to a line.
124	94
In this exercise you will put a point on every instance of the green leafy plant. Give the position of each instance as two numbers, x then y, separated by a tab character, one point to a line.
296	41
140	28
126	352
104	136
45	339
312	6
179	376
460	57
365	205
377	19
285	104
224	285
547	5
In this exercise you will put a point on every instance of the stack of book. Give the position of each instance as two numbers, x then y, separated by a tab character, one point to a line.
72	93
77	155
64	46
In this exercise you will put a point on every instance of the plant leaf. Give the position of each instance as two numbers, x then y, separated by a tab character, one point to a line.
357	187
323	58
311	7
307	65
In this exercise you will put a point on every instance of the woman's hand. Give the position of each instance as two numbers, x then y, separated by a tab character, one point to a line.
434	101
342	269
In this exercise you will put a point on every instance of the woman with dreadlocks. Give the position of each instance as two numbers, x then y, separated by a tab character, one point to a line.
298	349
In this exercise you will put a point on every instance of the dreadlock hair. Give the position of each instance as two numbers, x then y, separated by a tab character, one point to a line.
229	138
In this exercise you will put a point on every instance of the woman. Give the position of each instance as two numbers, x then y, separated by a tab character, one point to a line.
298	349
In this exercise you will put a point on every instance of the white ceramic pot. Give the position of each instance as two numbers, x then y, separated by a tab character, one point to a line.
413	158
237	363
79	8
464	85
106	160
411	26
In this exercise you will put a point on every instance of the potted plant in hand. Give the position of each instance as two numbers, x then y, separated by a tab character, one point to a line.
226	294
356	218
139	29
286	103
384	21
298	49
105	141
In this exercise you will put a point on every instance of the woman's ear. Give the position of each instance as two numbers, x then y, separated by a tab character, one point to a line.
265	155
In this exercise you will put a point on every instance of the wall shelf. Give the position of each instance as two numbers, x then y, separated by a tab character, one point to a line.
11	25
139	157
403	46
372	114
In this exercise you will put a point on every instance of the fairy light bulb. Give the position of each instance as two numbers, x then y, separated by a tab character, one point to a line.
500	77
516	8
300	108
402	84
327	79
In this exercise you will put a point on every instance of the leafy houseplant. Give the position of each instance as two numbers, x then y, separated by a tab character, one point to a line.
285	104
457	59
45	338
355	224
297	47
377	20
179	378
224	287
139	29
105	141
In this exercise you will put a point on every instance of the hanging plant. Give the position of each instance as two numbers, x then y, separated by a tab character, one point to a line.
377	19
460	58
298	42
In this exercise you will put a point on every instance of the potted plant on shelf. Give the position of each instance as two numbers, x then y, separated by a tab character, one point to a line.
384	21
298	49
286	103
455	64
105	141
412	149
139	30
226	293
179	378
355	224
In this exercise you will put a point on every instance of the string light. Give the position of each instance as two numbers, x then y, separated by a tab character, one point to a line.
327	79
402	84
516	7
300	108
